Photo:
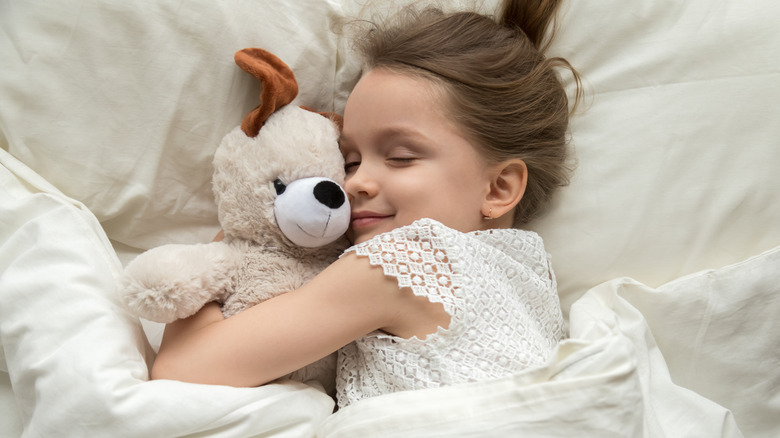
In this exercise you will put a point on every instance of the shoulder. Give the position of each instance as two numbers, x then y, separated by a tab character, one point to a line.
515	251
514	241
419	230
404	250
423	233
427	241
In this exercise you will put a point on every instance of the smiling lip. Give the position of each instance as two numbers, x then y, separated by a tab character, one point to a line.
367	218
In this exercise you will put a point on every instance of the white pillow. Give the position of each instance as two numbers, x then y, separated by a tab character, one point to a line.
121	104
679	145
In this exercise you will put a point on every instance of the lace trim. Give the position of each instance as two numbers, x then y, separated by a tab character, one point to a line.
497	287
415	257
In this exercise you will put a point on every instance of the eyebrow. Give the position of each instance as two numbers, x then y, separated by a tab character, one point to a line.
391	134
401	131
388	133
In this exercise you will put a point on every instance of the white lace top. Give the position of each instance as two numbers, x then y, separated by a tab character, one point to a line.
499	290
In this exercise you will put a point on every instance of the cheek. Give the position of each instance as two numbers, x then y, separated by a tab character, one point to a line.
444	192
465	180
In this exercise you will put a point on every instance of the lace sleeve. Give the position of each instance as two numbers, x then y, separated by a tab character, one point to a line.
495	284
420	256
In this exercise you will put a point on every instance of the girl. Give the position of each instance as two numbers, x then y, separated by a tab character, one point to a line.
453	137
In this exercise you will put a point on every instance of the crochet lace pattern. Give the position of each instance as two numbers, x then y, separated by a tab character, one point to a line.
499	290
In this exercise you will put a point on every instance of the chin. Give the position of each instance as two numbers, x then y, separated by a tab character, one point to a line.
354	240
351	237
364	236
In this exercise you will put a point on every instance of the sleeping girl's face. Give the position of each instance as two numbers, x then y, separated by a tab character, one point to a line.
405	160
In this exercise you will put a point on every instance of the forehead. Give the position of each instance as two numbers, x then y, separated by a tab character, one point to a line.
386	87
394	103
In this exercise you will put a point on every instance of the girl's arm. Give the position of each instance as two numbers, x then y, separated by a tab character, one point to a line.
346	301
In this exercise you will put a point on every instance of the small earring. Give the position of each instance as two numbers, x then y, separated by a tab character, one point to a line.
489	215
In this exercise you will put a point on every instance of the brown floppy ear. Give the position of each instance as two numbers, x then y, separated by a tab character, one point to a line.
279	85
337	119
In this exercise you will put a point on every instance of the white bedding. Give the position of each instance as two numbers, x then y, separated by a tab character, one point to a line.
612	378
110	113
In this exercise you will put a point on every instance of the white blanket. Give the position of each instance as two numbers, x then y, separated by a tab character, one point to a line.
78	362
612	379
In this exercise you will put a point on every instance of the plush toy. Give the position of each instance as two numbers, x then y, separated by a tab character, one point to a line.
283	212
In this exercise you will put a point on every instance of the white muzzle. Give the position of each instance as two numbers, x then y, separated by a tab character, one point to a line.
312	212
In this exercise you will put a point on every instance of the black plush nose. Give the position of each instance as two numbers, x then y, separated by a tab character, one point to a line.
329	194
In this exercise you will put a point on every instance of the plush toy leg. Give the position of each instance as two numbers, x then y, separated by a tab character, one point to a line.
171	282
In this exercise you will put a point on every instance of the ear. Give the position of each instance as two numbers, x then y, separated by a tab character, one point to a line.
279	85
507	187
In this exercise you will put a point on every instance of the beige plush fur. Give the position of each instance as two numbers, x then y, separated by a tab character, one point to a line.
255	261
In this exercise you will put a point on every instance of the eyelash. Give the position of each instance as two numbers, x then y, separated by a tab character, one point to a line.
400	160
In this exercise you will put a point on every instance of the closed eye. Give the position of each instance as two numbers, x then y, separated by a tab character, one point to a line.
351	166
401	161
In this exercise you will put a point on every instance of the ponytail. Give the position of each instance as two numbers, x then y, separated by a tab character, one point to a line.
532	17
535	19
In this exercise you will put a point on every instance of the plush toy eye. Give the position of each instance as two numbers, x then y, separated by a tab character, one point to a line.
279	186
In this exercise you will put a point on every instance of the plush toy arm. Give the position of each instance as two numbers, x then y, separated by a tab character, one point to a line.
171	282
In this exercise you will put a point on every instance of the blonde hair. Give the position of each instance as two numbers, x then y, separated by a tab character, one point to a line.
500	88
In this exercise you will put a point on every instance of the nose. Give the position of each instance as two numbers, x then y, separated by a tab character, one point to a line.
329	194
361	183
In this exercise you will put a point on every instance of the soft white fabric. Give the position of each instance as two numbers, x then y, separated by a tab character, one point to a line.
78	362
718	331
611	378
678	145
121	105
499	290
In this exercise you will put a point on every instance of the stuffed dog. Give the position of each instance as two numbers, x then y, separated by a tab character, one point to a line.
277	185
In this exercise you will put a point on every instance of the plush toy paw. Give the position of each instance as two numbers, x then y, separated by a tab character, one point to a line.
172	282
